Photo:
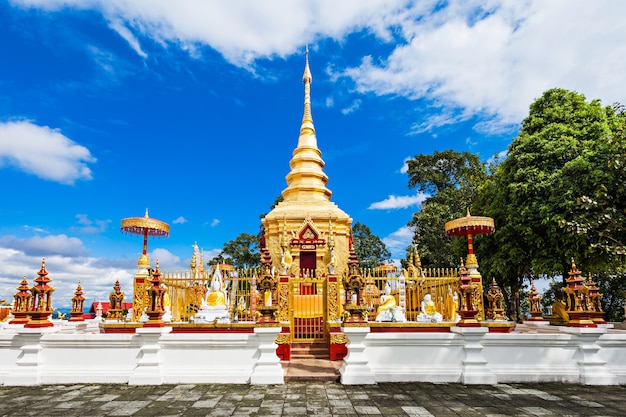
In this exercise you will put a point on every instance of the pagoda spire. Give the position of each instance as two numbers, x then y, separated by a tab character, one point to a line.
307	181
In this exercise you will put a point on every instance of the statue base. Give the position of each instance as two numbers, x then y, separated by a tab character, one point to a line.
212	314
357	313
267	313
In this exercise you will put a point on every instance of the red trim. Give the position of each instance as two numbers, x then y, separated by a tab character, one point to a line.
501	329
337	351
246	330
409	330
119	330
284	352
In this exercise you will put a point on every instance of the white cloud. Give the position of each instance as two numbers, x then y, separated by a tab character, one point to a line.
166	258
405	166
352	108
241	31
179	220
86	225
215	222
128	37
468	59
494	58
61	245
44	152
398	202
398	241
96	276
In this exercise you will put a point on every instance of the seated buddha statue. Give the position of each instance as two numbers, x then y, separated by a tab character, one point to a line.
388	300
214	308
388	310
216	296
559	314
429	313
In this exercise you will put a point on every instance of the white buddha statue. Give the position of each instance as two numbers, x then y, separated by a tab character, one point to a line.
214	307
429	312
388	309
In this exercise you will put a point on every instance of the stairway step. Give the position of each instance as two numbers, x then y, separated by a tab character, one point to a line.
310	370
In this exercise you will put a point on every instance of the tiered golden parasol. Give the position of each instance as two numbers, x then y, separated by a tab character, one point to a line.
470	226
145	226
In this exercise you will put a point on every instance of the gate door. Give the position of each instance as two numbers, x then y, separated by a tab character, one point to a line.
307	301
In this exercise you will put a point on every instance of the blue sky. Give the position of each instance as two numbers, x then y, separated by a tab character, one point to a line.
192	109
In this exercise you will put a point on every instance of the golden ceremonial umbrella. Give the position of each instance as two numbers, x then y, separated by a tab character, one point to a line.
145	226
470	226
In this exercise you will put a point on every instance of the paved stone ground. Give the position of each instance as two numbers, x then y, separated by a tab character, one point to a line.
311	398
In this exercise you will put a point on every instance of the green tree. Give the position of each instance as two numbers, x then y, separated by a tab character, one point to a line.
370	250
536	195
451	180
242	253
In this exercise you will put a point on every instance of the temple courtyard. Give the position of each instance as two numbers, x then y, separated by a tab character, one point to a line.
315	398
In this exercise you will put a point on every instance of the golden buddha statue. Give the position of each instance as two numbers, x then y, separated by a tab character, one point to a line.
429	312
388	300
428	305
216	297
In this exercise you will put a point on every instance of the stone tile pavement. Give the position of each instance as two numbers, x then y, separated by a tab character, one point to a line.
315	398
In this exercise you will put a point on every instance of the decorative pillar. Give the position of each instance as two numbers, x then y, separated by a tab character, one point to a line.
283	340
467	291
592	367
495	310
78	302
156	294
41	301
474	365
355	369
27	371
148	370
21	303
116	303
576	293
534	300
267	369
594	306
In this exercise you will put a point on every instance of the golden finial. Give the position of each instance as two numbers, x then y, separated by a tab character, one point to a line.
307	78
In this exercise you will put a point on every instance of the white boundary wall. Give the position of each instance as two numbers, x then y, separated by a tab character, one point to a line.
589	356
151	356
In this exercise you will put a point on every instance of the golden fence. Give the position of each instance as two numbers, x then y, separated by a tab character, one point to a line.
186	292
409	292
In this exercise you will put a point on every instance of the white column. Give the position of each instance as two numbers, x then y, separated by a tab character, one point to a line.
267	369
474	369
592	367
148	370
29	364
355	369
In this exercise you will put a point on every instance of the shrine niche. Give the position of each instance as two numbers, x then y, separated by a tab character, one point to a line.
305	244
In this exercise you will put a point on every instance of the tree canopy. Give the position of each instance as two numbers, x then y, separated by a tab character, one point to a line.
242	253
370	250
451	180
550	197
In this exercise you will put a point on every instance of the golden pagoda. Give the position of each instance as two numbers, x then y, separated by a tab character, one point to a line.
306	231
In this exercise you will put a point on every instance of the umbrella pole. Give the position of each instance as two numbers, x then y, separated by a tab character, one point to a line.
145	241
